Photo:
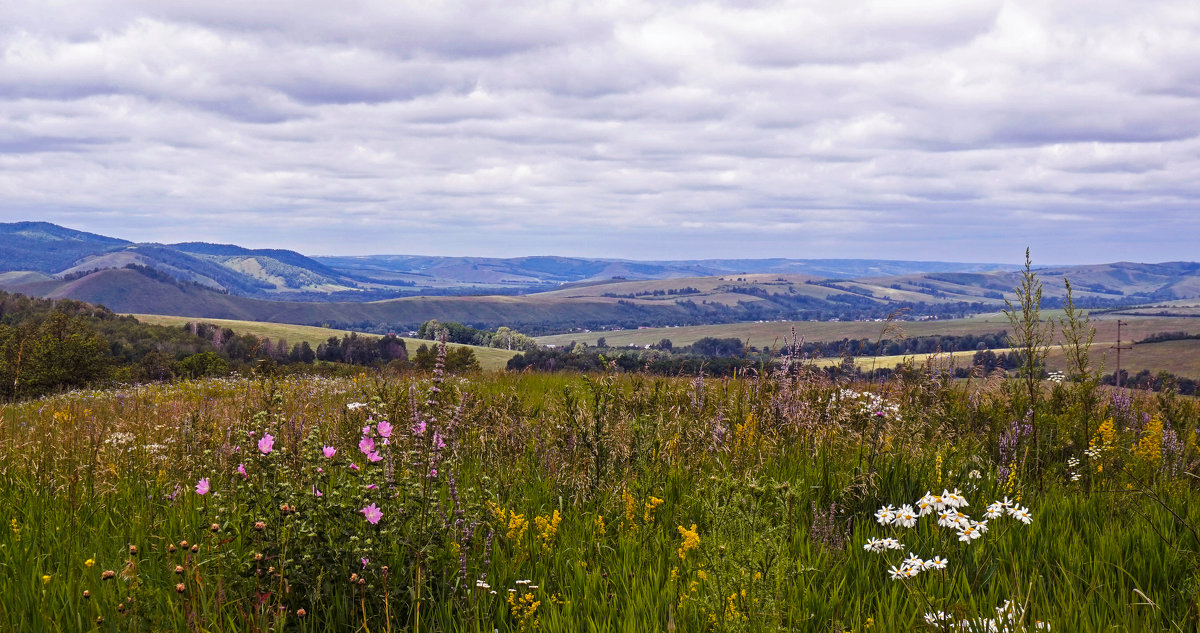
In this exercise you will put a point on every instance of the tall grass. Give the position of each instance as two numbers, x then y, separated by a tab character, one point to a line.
565	503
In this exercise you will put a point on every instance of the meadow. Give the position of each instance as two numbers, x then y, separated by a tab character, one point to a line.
489	357
611	502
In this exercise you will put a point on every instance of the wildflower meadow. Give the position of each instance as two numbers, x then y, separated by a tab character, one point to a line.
783	500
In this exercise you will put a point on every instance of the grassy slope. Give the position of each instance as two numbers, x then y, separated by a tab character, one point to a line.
774	332
489	358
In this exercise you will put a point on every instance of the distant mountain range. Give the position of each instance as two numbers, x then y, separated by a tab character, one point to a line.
553	293
287	275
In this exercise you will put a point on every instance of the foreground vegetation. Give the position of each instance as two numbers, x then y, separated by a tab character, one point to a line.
605	502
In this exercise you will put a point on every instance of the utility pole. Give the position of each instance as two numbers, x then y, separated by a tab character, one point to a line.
1120	347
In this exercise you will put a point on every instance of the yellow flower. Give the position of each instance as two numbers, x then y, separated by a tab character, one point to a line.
651	506
598	527
547	527
45	580
691	540
702	575
630	512
89	562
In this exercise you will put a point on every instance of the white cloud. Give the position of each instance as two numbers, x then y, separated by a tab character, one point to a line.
882	128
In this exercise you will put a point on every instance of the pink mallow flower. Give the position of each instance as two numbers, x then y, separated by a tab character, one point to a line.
318	492
329	451
373	456
372	513
364	562
366	445
202	486
353	466
266	443
419	429
242	471
384	428
366	430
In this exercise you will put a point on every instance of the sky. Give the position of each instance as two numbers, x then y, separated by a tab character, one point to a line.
954	130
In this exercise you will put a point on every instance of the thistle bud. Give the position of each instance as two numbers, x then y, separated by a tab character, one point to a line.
179	569
133	550
214	527
301	613
179	588
86	594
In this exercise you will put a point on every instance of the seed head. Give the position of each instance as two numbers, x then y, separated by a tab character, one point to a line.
214	527
108	574
258	556
86	594
179	569
301	613
179	588
133	550
171	548
195	548
260	526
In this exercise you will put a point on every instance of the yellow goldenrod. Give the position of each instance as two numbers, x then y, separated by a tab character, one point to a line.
524	610
547	527
630	512
651	505
691	540
1149	448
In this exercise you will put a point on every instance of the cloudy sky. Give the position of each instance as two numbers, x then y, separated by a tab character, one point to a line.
948	129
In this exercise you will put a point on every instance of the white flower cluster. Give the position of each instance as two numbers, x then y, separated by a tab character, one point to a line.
1009	619
869	403
1073	466
947	506
913	565
880	545
1011	508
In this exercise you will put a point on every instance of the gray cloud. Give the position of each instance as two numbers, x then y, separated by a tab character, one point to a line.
943	129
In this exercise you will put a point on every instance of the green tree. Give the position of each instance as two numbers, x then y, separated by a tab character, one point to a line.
203	365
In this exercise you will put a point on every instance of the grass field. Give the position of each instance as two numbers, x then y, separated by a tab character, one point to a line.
611	503
775	333
489	358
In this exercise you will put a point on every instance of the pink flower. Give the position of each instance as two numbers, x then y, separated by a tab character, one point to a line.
366	445
419	429
432	473
318	492
353	466
437	440
366	430
372	513
372	487
365	561
202	486
320	470
384	428
242	471
329	451
373	456
266	443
